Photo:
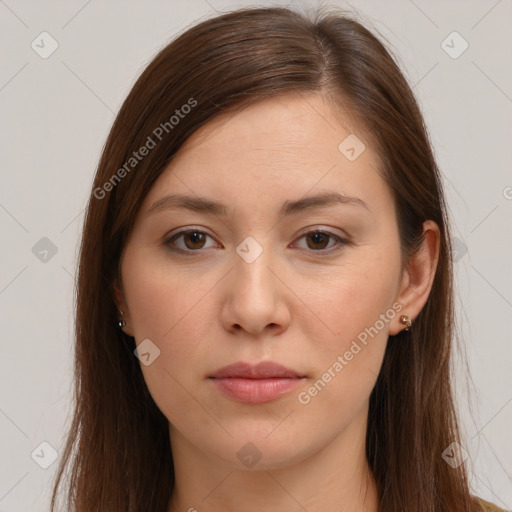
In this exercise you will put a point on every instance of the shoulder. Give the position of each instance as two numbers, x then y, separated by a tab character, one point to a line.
485	506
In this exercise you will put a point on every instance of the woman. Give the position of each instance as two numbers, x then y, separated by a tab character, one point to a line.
264	303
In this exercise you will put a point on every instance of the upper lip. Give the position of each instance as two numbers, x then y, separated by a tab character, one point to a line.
264	370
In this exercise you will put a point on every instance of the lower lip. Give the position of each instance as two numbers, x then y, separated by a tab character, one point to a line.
255	391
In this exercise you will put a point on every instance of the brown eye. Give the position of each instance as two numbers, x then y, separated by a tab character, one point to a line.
188	241
319	241
194	239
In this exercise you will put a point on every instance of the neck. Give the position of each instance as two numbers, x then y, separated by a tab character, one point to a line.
336	478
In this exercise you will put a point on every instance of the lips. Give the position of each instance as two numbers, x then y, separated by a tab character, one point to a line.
265	370
255	384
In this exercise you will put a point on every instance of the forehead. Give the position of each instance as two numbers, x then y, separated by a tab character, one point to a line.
283	146
294	125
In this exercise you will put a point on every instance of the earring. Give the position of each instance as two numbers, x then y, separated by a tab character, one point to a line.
406	320
121	323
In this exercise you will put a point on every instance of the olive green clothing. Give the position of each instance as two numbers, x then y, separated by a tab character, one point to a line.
489	507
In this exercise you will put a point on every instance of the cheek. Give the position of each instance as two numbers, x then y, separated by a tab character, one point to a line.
348	334
171	308
164	300
349	300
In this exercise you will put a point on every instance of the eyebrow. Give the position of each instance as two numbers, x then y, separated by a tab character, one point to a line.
208	206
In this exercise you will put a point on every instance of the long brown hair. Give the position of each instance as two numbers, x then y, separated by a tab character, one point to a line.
222	65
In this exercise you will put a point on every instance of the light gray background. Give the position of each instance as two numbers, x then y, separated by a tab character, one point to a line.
56	114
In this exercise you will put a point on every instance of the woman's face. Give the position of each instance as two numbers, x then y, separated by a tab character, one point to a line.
266	269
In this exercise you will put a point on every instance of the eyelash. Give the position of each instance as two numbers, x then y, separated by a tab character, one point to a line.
190	252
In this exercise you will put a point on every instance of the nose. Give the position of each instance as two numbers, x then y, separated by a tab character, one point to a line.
255	298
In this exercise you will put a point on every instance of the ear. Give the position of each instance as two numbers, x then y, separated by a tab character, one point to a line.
122	306
418	276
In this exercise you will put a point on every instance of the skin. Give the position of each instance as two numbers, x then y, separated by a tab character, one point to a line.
301	303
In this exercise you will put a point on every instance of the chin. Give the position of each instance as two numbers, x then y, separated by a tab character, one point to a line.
258	450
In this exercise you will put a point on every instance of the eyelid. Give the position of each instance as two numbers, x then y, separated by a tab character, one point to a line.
323	229
187	229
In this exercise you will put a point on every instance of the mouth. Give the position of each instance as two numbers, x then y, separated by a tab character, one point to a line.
255	384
